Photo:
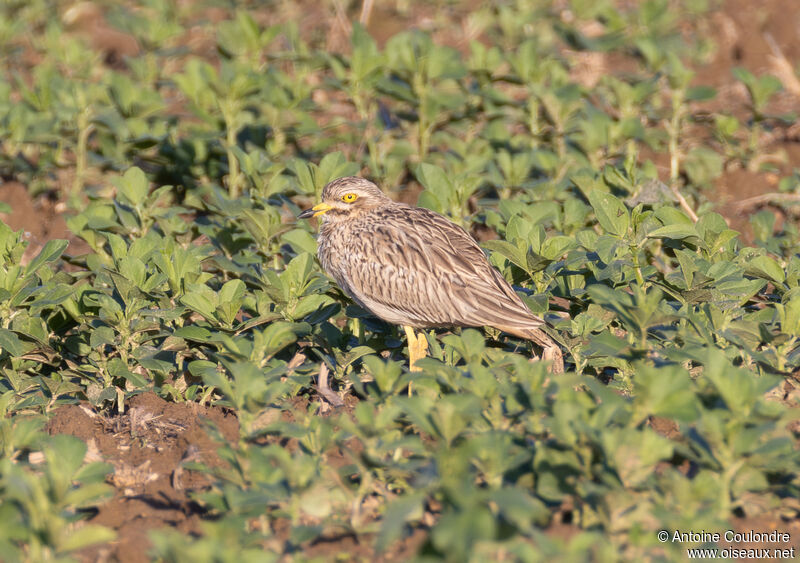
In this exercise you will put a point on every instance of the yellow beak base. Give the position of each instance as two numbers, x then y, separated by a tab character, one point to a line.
316	211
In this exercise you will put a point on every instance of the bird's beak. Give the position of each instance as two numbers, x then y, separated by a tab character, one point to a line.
316	211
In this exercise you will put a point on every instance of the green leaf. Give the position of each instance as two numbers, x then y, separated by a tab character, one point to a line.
556	247
738	388
86	535
277	336
301	241
133	186
194	333
118	369
399	512
232	291
435	180
667	392
508	251
385	372
675	231
635	453
310	304
764	266
50	253
519	507
88	494
200	303
703	165
305	181
611	213
789	312
64	454
10	342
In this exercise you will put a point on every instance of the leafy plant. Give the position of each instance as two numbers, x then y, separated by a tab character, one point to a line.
187	276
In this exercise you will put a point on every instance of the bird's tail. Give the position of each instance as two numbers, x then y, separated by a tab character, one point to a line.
551	351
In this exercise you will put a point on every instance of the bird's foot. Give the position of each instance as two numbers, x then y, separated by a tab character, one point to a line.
421	350
554	355
417	348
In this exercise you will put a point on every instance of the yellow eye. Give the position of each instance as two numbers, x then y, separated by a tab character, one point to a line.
349	198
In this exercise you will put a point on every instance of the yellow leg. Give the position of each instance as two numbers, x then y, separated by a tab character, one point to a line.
422	347
417	347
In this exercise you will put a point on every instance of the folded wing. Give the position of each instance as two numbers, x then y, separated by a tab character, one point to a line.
415	267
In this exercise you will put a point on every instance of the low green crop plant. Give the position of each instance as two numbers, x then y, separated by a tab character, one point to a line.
45	486
187	276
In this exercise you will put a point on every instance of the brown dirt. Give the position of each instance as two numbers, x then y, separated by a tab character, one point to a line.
41	219
147	447
741	30
86	19
754	35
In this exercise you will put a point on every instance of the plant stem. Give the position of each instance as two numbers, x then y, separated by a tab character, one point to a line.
422	123
233	165
229	110
637	269
81	151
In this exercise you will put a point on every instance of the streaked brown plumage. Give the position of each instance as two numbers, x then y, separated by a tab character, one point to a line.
413	267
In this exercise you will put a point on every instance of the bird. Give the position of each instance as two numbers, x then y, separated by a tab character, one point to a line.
413	267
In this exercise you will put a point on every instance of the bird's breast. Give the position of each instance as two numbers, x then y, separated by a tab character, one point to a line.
333	248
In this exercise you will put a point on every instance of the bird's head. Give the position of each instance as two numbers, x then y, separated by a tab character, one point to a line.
347	197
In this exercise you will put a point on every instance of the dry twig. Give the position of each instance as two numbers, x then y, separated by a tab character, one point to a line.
781	66
766	199
323	388
684	204
366	12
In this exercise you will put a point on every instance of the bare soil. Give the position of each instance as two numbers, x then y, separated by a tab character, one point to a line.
761	37
147	445
41	219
